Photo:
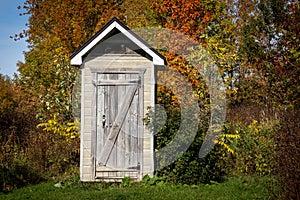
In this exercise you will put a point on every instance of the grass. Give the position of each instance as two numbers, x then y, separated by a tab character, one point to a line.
233	188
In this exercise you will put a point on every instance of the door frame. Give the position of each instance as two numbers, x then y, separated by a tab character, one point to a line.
95	73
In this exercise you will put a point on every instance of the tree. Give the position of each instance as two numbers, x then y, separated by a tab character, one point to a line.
269	48
55	29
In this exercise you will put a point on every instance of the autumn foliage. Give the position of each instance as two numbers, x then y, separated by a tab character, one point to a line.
253	44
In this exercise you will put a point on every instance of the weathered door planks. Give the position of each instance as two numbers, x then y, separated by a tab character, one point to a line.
118	112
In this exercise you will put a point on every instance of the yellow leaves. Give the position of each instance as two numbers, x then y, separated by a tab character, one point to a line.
223	144
253	126
230	150
69	131
203	36
200	94
222	49
236	136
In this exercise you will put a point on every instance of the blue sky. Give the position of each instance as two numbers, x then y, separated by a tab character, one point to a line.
11	23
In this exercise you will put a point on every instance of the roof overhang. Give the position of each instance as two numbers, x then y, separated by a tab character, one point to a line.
77	56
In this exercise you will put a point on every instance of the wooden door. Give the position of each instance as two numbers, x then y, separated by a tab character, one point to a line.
119	122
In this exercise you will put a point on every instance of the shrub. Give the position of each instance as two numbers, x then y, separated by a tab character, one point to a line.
27	153
18	174
255	150
188	168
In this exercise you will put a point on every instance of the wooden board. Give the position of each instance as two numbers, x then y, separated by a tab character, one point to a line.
119	113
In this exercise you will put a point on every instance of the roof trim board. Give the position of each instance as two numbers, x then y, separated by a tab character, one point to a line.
76	57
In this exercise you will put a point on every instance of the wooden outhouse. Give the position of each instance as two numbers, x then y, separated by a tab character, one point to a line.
118	71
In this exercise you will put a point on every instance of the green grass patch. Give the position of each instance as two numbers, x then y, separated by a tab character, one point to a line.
233	188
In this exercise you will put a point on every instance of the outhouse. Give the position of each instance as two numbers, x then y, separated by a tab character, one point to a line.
118	71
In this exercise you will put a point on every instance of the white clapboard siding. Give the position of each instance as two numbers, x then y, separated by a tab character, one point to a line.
121	151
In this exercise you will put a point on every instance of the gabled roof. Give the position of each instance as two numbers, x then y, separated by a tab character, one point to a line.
114	23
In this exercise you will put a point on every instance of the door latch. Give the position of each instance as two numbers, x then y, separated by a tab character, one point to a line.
103	121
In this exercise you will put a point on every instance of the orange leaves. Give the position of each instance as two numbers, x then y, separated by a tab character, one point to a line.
73	22
186	16
207	17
